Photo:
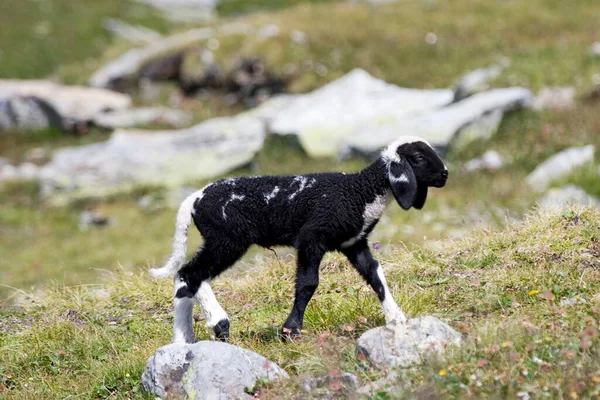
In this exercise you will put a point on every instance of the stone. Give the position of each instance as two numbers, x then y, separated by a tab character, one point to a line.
75	102
328	386
571	301
328	116
403	345
8	172
28	113
490	160
208	370
184	10
560	197
126	68
560	165
555	98
595	49
441	127
161	158
478	80
143	116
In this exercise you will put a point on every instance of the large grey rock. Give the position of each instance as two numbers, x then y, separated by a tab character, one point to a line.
560	165
595	49
165	158
127	67
184	10
442	126
489	160
478	80
403	345
76	102
328	116
132	33
558	197
207	370
143	116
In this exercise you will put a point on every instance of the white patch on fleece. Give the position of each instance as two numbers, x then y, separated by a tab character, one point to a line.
183	331
270	196
304	184
389	154
391	310
371	213
213	312
182	222
232	198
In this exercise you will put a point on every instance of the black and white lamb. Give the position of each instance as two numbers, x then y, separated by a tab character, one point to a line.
314	213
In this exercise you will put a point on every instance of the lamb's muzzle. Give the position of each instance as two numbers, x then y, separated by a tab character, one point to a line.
314	213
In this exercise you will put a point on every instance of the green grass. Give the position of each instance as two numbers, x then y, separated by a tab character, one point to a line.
500	289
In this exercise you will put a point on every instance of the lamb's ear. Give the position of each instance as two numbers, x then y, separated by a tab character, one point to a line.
404	184
421	196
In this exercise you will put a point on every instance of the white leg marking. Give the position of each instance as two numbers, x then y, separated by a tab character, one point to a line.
213	312
391	310
183	331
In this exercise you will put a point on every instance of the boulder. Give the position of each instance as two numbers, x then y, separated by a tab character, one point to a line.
560	197
165	158
555	98
207	370
442	127
328	116
403	345
143	116
478	80
75	102
127	67
560	165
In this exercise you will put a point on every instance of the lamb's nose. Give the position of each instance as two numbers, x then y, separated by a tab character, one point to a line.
445	174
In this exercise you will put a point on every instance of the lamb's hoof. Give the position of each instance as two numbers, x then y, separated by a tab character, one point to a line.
290	333
221	330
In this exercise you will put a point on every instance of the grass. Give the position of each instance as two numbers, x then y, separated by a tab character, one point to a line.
501	289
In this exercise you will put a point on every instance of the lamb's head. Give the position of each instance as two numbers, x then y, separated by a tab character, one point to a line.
413	166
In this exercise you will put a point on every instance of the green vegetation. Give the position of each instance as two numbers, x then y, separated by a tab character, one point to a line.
500	289
94	316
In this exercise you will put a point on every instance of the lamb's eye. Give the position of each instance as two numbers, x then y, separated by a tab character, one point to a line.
419	158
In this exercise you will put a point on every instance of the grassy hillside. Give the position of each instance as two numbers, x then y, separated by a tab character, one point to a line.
503	290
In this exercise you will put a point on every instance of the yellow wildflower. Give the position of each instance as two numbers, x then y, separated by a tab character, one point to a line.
443	372
534	292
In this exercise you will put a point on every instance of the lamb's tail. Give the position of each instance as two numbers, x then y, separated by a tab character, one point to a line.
183	221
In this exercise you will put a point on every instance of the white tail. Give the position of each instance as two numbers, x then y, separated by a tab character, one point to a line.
183	221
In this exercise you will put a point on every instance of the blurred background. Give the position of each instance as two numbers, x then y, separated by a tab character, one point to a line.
112	111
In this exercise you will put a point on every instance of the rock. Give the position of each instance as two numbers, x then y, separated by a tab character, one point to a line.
403	345
135	34
90	219
207	370
441	127
325	118
478	80
143	116
482	128
567	302
560	165
559	197
185	10
595	49
126	68
555	98
8	172
75	102
490	160
329	386
165	158
28	113
27	171
267	31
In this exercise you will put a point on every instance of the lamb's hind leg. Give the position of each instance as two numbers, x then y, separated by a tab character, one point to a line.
195	278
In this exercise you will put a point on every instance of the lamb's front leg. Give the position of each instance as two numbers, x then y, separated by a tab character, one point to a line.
307	280
362	260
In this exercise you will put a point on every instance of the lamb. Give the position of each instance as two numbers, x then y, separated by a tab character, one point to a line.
314	213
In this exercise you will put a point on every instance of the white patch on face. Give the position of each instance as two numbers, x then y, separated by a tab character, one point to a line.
371	213
304	184
183	331
390	155
213	312
232	198
269	196
391	310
